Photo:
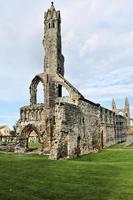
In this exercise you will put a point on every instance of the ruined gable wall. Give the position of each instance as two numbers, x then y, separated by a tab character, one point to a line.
76	128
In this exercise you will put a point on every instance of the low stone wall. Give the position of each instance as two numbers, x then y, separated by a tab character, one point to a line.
15	144
7	143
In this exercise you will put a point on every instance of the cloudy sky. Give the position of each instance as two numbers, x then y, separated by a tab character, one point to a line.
97	40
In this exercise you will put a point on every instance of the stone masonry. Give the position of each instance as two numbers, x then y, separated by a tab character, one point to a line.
67	126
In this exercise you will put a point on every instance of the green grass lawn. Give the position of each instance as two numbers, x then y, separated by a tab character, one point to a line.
104	175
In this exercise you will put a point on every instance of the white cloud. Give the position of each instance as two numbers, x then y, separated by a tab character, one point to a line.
107	93
103	40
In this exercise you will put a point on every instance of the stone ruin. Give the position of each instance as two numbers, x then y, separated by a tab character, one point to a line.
67	126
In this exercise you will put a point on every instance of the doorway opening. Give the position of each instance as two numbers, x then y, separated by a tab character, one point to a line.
33	141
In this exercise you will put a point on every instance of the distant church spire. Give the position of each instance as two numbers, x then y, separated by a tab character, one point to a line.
113	105
127	111
126	102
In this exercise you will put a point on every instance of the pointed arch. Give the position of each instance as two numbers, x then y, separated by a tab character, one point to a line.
33	89
32	137
26	131
40	93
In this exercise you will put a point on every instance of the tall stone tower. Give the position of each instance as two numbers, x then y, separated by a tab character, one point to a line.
54	60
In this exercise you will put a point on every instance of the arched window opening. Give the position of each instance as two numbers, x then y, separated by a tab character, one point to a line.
49	25
37	91
62	92
40	93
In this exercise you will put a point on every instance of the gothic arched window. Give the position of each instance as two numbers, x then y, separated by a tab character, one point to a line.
40	93
37	91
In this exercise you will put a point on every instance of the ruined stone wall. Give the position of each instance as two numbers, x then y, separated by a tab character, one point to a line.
107	127
76	131
83	128
15	144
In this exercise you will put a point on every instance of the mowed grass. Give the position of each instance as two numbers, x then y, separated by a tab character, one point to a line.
107	175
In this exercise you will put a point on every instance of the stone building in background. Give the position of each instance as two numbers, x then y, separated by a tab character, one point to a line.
125	112
67	126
